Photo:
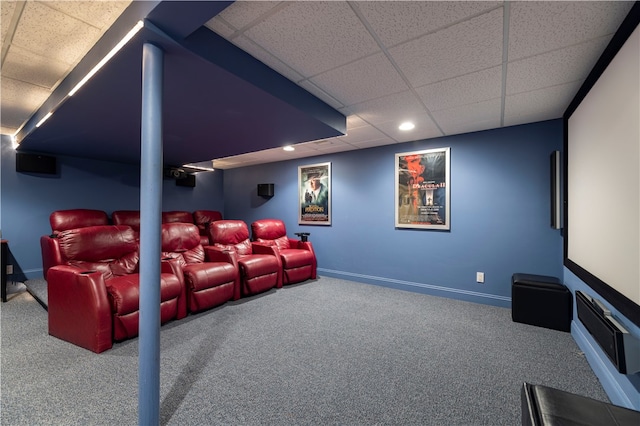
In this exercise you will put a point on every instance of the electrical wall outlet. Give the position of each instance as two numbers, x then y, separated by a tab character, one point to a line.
480	277
9	269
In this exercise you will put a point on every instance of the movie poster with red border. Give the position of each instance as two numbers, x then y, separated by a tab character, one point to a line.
422	189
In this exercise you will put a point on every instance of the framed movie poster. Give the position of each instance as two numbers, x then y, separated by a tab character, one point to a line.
422	189
314	194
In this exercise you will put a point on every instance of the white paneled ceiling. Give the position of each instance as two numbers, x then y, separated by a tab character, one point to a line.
449	66
42	41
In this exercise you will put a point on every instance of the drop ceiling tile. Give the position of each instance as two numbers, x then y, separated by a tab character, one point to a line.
367	78
536	27
20	100
244	13
100	14
313	37
557	67
21	64
470	118
397	107
267	58
467	89
425	129
538	105
416	18
334	145
53	34
7	8
220	27
457	50
374	143
361	134
320	94
353	122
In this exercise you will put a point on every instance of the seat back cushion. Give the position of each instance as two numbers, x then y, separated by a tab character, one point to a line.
231	235
127	217
270	231
62	220
109	249
182	241
177	216
202	217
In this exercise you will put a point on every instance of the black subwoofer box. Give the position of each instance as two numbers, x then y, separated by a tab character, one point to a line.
542	301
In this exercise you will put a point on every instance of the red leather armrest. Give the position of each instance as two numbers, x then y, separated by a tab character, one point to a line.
78	308
51	255
170	265
263	248
218	254
270	249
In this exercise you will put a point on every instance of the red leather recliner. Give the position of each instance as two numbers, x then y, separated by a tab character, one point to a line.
259	265
62	220
298	258
177	216
127	217
202	219
210	276
93	298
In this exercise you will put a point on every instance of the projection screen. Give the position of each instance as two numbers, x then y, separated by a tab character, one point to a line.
602	176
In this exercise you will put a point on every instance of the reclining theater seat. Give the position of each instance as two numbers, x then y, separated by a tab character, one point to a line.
93	298
298	258
63	220
127	217
177	216
210	278
202	219
259	265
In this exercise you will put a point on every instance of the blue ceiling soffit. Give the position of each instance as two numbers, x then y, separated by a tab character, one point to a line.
218	101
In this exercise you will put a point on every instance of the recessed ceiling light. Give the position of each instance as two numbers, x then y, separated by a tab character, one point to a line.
288	148
407	125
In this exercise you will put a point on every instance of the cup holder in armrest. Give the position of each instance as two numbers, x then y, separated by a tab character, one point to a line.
303	236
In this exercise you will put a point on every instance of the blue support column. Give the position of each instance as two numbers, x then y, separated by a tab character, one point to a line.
150	222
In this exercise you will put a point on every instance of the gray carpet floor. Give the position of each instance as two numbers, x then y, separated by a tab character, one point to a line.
325	352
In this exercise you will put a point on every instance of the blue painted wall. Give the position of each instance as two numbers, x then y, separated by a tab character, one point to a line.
499	218
499	214
28	199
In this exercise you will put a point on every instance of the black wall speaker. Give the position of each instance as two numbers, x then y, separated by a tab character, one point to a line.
35	163
265	189
188	180
556	221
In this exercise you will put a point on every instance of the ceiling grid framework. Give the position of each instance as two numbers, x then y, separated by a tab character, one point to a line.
450	66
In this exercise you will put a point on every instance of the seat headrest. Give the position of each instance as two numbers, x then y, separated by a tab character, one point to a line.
228	232
62	220
97	243
177	216
206	216
127	217
179	237
268	229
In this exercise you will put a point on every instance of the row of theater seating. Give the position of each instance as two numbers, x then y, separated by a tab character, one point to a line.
93	277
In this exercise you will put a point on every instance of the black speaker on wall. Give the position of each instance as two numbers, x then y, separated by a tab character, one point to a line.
188	181
265	190
35	163
556	221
